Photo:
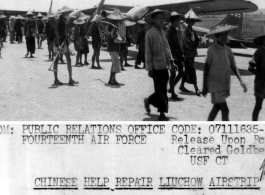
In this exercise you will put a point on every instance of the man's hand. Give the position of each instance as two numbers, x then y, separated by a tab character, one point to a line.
150	74
60	49
173	65
244	86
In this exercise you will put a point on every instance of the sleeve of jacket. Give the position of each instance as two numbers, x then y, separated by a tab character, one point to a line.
185	41
148	53
168	50
197	40
232	58
25	28
45	30
170	42
140	37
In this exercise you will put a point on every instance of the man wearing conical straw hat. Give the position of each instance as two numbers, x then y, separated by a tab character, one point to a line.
124	27
190	42
259	71
2	29
173	36
96	44
78	34
113	45
18	29
62	45
29	32
40	29
217	78
50	30
140	44
11	29
158	59
2	32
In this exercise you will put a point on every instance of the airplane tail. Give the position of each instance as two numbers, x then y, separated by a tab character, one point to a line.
235	20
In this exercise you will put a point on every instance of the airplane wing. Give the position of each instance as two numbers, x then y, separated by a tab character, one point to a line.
209	7
109	7
201	7
18	12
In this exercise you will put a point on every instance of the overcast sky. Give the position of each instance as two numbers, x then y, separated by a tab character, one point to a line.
43	5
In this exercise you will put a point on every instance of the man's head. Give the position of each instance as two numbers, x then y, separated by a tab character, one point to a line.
158	19
175	21
30	17
222	38
190	22
117	22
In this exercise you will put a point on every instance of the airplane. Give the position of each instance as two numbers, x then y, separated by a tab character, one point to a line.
234	10
200	7
235	36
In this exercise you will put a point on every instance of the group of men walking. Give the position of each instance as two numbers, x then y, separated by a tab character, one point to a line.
161	52
170	49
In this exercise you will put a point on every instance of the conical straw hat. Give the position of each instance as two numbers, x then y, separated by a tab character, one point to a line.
29	13
84	16
51	15
39	15
141	21
65	9
44	18
79	21
221	29
129	23
149	19
176	14
2	16
192	16
19	17
116	15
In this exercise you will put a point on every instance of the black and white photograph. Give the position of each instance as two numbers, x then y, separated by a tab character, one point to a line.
187	60
112	97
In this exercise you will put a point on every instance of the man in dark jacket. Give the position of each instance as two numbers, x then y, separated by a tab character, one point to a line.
113	46
18	30
96	44
176	50
40	29
29	32
50	34
140	45
190	42
61	45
